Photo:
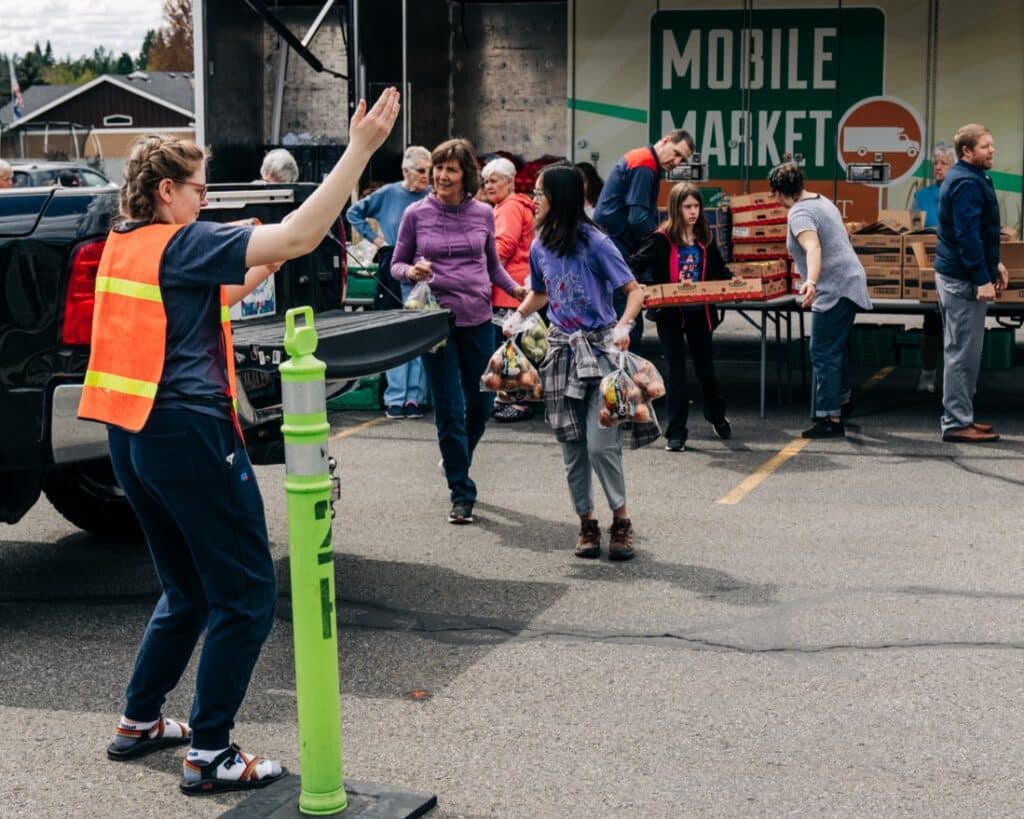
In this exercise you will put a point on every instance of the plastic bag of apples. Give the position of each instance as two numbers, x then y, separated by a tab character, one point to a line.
509	370
628	391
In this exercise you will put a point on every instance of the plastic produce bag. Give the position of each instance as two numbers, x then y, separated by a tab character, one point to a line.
509	370
421	297
624	400
646	376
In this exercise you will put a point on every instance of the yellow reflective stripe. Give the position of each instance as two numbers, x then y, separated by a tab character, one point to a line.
126	287
225	314
120	383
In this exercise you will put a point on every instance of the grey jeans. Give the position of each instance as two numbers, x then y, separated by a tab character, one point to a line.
599	448
963	318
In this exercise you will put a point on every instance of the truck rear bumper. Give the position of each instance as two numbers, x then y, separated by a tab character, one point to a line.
71	438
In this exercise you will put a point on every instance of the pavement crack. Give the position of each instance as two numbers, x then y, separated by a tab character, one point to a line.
973	470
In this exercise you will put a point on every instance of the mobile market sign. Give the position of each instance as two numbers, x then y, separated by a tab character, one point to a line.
754	85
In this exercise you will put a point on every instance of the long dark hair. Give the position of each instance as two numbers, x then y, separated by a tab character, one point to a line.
563	225
675	226
594	183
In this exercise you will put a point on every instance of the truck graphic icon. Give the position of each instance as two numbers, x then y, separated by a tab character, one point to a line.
872	140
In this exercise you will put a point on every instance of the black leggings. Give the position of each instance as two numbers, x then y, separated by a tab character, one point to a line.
675	332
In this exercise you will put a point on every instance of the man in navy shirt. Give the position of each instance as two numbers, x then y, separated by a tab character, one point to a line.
967	274
627	209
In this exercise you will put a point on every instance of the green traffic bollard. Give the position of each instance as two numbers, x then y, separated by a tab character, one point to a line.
309	484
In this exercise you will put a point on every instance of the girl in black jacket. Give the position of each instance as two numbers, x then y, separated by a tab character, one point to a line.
683	248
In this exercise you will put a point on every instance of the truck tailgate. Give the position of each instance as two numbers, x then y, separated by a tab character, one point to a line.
351	344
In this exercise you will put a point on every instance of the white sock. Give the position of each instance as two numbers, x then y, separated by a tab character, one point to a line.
127	733
232	768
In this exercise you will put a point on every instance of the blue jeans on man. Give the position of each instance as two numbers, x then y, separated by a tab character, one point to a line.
461	410
830	336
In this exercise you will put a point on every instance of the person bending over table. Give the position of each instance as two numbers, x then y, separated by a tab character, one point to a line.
833	286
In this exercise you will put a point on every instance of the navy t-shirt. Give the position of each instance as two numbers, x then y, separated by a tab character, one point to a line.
201	257
691	262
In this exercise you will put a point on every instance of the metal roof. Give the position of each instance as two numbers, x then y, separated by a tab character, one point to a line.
171	88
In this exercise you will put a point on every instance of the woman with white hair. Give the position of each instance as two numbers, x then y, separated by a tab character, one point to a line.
926	202
406	389
279	167
513	234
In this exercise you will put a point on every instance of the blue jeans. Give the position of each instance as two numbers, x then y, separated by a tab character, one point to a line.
461	410
406	383
830	334
189	480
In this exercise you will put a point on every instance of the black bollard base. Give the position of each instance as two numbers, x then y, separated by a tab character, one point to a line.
366	800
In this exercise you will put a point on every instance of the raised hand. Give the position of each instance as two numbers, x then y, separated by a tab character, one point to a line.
369	129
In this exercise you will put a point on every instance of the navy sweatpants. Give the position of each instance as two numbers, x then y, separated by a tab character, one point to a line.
190	482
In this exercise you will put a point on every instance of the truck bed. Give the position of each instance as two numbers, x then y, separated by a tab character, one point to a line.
350	344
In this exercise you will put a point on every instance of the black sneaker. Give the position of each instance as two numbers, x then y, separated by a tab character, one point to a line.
675	445
723	429
825	428
461	514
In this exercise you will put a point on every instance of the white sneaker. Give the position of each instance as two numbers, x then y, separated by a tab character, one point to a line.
926	383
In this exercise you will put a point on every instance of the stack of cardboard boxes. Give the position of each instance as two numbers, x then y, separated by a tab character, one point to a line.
1011	254
758	228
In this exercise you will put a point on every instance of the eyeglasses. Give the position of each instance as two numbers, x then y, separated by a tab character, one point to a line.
423	171
201	188
538	194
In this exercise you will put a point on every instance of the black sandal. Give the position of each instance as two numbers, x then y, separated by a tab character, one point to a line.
145	744
509	413
209	782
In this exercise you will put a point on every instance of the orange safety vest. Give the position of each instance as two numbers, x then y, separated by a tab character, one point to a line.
129	330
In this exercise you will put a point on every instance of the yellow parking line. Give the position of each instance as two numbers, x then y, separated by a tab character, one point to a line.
357	428
751	482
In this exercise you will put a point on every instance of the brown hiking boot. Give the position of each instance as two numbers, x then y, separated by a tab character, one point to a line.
589	542
620	547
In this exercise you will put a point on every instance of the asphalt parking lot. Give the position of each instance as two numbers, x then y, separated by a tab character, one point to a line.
841	638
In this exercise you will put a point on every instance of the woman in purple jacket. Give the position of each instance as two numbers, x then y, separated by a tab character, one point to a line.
448	238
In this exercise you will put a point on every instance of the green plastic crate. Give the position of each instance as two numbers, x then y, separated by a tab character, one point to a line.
366	396
362	284
997	351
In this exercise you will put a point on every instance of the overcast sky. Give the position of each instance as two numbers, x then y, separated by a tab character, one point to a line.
76	27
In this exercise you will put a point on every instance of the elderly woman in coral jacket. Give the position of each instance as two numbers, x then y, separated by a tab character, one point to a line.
513	234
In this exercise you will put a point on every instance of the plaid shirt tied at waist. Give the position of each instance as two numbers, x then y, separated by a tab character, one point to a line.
574	363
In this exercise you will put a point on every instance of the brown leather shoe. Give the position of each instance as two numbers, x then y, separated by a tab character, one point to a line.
983	427
588	544
969	435
620	547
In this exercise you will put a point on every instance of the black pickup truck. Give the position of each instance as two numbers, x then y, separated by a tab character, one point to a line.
51	241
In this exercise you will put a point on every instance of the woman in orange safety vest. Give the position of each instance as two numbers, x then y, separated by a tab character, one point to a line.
161	376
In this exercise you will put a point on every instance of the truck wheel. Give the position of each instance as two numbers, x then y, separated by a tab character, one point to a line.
87	494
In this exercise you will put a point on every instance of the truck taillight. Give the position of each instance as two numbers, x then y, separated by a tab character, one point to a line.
81	295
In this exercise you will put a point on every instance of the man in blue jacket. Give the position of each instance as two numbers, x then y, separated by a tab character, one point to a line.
967	274
627	209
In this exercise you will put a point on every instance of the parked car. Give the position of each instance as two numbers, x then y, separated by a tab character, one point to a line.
51	241
31	173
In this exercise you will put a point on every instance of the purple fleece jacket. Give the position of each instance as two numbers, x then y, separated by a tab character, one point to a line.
458	240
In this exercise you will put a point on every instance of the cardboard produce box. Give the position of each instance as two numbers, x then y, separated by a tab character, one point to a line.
751	201
759	270
1011	255
759	233
686	293
765	215
927	240
884	282
878	249
761	251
